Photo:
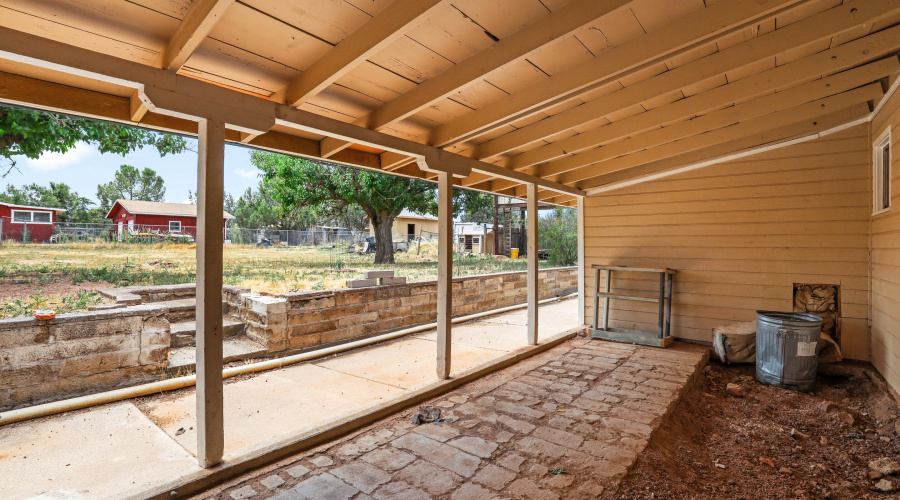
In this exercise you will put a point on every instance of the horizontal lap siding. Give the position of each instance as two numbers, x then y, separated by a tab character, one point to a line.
740	235
886	260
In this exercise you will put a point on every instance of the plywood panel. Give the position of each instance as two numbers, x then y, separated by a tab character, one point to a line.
741	234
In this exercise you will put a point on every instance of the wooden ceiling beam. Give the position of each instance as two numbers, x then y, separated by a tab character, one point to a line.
692	31
382	30
721	153
554	26
840	58
825	25
771	103
199	20
847	106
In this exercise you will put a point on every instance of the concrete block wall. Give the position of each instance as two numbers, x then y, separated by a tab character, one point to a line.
316	318
80	353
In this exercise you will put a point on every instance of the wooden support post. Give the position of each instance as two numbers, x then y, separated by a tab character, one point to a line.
445	272
210	185
532	246
581	269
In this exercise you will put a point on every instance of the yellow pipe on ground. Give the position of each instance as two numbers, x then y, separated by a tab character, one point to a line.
78	403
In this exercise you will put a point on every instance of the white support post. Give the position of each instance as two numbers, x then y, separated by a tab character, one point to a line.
210	185
445	273
532	230
581	276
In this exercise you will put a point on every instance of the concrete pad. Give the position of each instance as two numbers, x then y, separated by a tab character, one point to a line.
406	363
94	453
558	316
273	405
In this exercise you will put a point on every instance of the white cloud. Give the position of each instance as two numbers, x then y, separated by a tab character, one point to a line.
56	161
246	173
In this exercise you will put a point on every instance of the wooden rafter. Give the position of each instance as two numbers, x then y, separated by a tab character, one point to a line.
808	112
822	26
199	20
830	61
692	31
554	26
379	32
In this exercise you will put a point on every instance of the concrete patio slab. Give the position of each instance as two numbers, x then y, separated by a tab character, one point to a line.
275	403
94	453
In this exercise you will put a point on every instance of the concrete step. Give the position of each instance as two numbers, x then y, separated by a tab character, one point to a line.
183	309
184	359
184	333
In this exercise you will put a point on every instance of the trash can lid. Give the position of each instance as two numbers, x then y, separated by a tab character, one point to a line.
789	317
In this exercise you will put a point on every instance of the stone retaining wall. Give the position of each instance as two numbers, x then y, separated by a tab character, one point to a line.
307	319
80	353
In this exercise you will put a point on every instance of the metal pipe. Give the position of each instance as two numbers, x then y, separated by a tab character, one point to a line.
78	403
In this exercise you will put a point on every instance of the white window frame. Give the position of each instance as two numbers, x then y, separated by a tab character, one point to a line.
882	173
31	216
175	222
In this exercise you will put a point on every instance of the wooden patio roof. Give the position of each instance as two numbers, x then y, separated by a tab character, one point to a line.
575	96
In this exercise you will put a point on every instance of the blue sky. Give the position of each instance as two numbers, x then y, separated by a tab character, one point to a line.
83	168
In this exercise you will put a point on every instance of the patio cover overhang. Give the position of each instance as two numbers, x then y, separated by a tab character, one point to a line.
549	100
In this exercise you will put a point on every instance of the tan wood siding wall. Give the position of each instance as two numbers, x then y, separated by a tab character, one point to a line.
741	234
886	259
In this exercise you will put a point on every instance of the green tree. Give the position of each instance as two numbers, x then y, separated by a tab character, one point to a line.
473	206
57	195
131	183
30	133
558	234
296	182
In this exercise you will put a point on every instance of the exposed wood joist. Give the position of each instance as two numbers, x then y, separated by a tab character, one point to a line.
199	20
822	26
655	48
771	103
748	146
185	97
553	26
379	32
828	62
804	113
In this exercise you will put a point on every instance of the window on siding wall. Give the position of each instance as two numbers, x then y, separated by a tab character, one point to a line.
174	225
32	217
882	173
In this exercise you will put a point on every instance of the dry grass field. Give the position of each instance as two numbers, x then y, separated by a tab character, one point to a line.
64	276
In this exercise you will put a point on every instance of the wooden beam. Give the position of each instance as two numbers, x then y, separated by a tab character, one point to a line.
823	26
719	153
382	30
392	161
771	103
210	238
805	113
693	31
137	107
553	26
580	315
445	274
809	68
199	20
532	276
190	99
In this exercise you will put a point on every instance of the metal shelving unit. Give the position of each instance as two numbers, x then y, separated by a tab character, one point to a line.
662	338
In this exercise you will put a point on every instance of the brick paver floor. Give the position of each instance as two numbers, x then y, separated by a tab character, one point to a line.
567	423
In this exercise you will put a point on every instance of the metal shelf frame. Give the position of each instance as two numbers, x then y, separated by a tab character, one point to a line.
663	337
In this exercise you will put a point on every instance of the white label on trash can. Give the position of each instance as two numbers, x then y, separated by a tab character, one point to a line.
806	348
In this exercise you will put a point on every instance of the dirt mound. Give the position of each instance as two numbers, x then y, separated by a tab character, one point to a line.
770	442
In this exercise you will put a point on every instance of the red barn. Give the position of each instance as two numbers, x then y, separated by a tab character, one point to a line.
38	223
137	216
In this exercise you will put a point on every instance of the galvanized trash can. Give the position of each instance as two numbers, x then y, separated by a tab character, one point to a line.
786	349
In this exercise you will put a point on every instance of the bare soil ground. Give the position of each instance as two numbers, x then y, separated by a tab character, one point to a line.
716	445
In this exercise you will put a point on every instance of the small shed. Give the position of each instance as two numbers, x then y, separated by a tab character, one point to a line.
137	216
410	225
473	237
27	223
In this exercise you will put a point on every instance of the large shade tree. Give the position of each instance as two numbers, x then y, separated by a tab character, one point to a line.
29	133
131	183
297	182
